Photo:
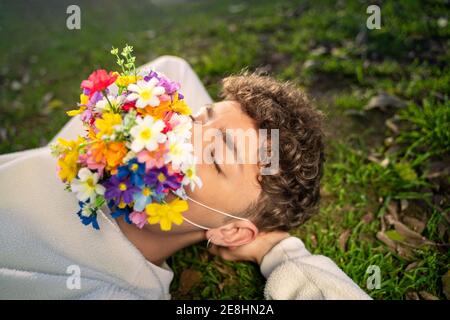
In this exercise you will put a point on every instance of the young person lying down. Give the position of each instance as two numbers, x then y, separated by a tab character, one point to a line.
241	211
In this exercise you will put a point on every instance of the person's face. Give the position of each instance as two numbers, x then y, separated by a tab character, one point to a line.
229	186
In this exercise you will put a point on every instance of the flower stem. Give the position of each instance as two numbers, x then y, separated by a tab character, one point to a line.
109	102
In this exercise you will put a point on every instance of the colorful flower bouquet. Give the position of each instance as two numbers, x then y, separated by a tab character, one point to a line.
136	148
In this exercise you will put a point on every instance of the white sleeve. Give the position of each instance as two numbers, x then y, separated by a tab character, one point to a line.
293	273
110	292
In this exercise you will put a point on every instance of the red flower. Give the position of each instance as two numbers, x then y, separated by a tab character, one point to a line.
166	120
128	106
99	80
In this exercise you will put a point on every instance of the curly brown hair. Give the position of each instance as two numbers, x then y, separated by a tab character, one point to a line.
291	196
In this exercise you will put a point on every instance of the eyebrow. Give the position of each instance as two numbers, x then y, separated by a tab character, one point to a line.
209	110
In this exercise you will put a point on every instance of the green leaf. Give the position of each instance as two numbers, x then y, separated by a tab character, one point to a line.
394	235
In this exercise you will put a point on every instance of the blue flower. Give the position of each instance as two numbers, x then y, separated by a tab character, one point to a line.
88	215
117	212
134	169
146	196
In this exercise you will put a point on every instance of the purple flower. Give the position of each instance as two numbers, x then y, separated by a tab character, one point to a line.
151	75
160	179
87	115
118	189
170	86
96	97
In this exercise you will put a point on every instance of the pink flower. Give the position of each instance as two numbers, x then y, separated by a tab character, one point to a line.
99	80
164	97
152	159
139	218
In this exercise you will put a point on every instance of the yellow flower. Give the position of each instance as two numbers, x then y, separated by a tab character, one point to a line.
106	124
67	163
180	106
166	213
124	81
84	99
67	169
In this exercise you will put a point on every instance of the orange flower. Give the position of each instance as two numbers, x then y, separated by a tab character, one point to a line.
97	151
103	153
156	112
114	153
95	156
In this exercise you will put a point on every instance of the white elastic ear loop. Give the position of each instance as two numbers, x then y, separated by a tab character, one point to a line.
218	211
207	207
196	224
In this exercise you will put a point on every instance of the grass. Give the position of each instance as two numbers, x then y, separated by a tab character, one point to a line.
377	159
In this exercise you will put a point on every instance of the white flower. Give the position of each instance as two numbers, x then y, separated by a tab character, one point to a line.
86	186
103	105
181	126
178	150
190	174
146	93
87	209
147	134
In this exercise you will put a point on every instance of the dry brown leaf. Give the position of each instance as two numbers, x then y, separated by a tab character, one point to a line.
411	295
204	257
438	169
404	204
368	218
393	209
412	238
189	278
446	284
405	252
396	247
392	126
383	163
224	269
415	224
313	238
385	239
383	101
383	224
427	296
343	239
411	266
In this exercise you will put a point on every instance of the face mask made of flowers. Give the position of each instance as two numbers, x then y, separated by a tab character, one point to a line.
136	148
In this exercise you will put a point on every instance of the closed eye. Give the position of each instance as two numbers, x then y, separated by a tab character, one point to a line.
218	169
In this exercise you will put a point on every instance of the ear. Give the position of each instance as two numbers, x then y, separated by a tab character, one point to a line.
234	234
